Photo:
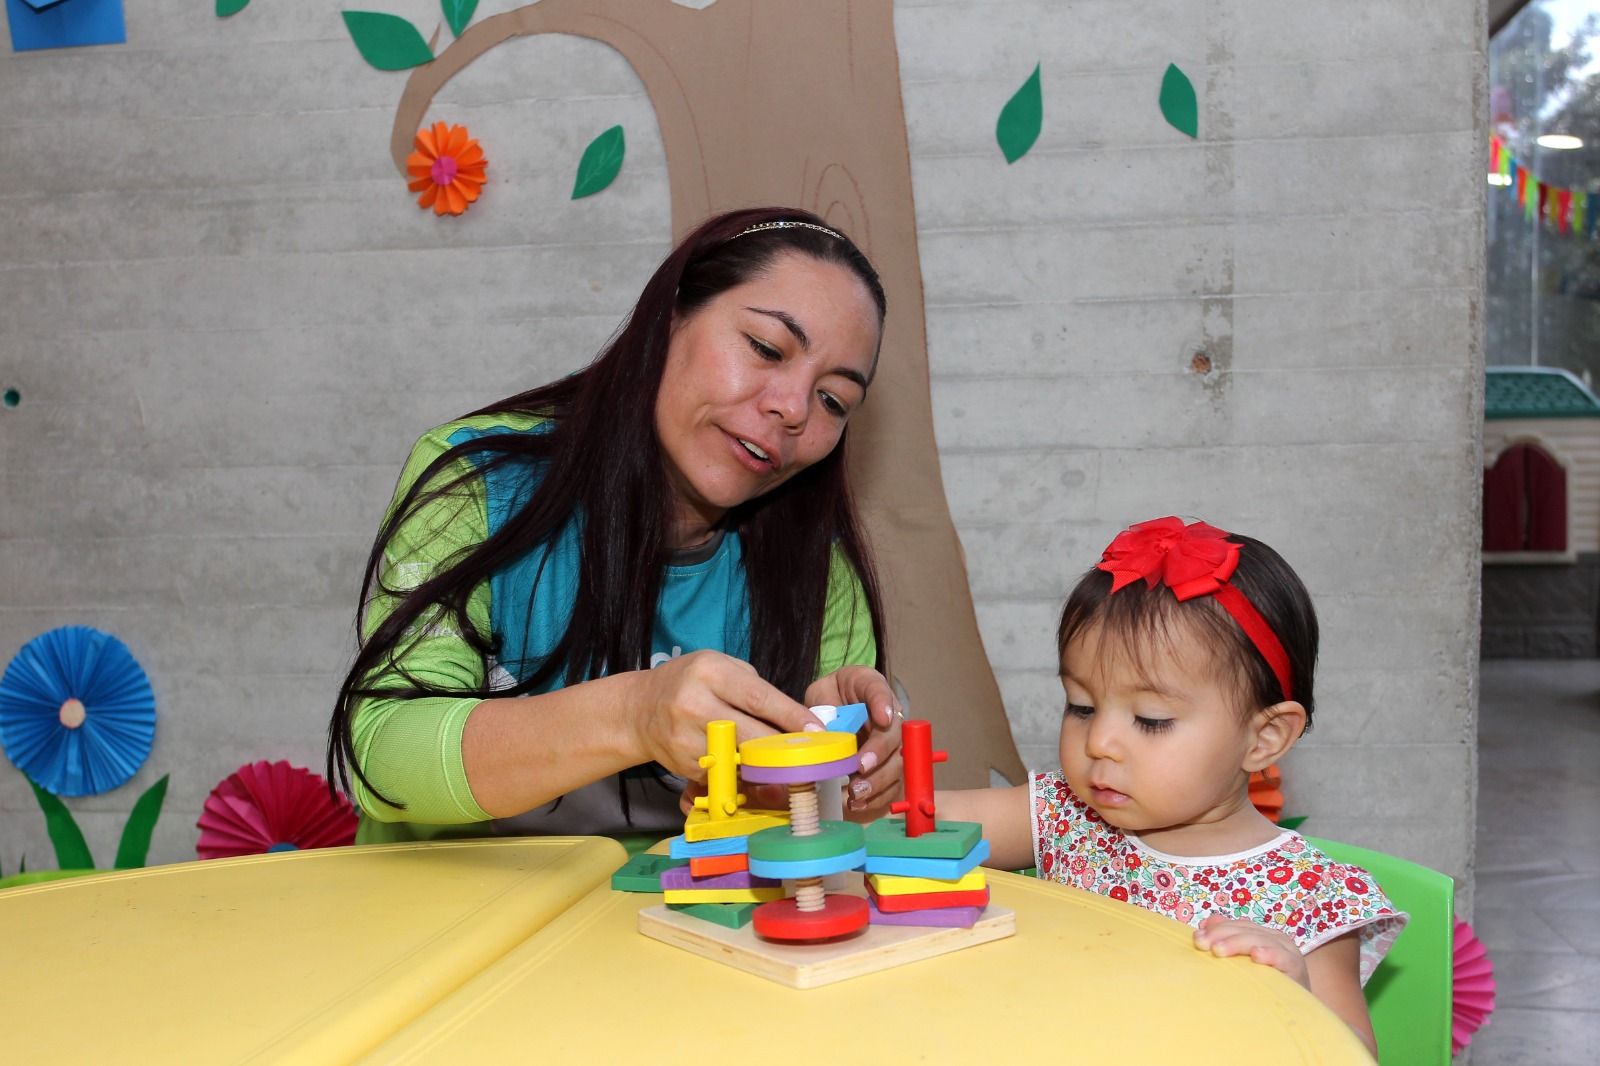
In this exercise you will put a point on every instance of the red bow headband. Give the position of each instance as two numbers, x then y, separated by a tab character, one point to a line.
1193	560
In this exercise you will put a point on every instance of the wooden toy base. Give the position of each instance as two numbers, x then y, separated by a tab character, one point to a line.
879	947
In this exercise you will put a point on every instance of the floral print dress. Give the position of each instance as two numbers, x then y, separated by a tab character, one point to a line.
1284	884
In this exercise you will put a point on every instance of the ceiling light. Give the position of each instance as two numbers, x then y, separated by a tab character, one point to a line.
1560	141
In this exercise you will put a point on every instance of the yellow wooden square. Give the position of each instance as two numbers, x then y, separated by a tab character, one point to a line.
701	826
891	885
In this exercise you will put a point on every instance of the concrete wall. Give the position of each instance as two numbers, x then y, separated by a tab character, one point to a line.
227	323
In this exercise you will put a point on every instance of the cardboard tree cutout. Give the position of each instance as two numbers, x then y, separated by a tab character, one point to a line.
771	102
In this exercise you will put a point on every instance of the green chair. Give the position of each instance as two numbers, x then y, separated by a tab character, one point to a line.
1409	996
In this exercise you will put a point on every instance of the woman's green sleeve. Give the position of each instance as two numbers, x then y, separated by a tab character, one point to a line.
410	749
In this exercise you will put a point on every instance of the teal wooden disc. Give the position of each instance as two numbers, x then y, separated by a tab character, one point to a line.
780	845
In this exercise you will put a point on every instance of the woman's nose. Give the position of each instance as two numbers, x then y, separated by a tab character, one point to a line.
788	401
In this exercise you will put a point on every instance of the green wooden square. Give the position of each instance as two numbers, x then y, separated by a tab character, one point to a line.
949	840
732	915
642	873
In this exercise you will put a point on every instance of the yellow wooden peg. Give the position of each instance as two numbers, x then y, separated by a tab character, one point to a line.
721	763
891	885
797	749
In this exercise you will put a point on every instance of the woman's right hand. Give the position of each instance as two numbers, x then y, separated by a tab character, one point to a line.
680	696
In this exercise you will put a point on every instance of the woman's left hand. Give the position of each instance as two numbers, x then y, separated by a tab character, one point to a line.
877	783
1236	936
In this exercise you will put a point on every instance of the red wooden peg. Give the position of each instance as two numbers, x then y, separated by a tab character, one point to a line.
918	756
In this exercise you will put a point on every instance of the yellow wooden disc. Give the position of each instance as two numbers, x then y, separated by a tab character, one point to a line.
797	749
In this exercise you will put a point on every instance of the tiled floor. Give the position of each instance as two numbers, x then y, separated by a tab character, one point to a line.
1538	870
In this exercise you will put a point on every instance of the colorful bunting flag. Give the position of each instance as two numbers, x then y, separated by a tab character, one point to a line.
1562	210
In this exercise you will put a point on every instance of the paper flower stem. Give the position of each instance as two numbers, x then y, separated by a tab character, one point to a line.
72	851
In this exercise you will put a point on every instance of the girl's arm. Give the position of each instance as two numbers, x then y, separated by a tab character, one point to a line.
1331	971
1335	973
1006	818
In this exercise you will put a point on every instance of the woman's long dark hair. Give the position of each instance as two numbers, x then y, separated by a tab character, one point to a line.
600	459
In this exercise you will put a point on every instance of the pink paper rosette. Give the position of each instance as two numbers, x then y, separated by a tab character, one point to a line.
264	807
1474	987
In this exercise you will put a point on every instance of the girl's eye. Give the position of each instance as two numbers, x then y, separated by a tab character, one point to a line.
833	405
1153	725
764	350
1078	710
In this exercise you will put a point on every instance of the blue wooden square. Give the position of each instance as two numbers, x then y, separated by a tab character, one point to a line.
938	869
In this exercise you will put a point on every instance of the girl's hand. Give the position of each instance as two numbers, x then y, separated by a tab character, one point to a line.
1235	936
877	784
680	696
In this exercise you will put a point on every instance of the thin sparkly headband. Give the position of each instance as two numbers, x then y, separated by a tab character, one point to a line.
785	224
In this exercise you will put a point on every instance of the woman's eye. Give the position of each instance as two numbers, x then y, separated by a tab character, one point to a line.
833	404
764	350
1153	725
1078	710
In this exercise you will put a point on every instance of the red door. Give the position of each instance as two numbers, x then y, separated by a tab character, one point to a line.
1525	502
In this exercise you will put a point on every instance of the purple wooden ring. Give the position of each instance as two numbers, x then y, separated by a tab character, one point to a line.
681	878
947	917
799	775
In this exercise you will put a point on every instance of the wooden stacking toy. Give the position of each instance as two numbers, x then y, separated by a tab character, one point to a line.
745	886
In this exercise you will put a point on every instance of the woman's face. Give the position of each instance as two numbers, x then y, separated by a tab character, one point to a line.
759	384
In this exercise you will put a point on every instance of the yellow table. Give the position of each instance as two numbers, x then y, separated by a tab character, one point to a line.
517	950
302	957
1084	979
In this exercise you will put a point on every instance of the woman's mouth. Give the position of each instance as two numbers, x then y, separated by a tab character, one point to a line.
753	455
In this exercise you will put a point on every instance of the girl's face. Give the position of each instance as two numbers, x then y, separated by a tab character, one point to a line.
759	384
1156	744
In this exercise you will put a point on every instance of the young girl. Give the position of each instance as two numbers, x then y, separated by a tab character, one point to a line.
1187	656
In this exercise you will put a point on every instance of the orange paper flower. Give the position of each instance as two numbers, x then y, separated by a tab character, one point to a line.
1266	792
447	169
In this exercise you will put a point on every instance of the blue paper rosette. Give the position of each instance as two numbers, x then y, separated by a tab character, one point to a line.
77	714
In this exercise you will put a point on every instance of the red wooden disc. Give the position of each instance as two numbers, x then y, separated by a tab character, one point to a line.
783	920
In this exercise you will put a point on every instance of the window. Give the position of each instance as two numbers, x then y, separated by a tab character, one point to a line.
1543	272
1525	502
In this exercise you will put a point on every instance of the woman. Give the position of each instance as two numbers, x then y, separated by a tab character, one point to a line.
570	583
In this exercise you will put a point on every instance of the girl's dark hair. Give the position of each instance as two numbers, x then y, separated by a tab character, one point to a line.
1142	618
600	459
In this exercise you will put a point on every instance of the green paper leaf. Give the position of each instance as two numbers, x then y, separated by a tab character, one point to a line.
600	163
135	845
230	7
458	13
1021	119
1178	102
72	851
1293	823
388	42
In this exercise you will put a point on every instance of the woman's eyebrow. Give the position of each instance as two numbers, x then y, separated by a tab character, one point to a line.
805	342
789	323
